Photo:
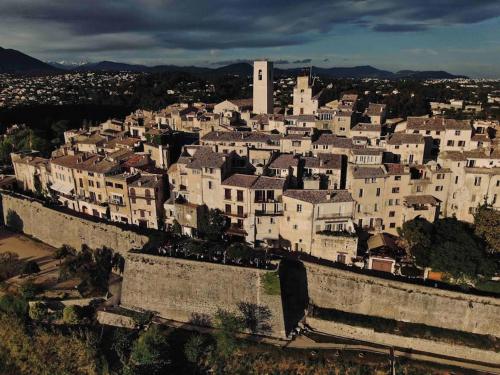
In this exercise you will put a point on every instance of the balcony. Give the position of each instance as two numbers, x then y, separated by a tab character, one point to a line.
234	214
116	202
334	215
269	209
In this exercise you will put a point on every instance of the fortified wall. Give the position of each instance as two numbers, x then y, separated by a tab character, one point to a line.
367	295
186	290
190	291
58	228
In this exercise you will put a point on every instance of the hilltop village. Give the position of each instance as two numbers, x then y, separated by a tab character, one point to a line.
324	178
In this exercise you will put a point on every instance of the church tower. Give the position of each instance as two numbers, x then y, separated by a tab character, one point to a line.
263	101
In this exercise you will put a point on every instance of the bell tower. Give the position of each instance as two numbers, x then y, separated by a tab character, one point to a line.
263	101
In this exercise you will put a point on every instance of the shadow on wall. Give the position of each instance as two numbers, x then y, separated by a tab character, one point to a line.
294	295
256	318
14	221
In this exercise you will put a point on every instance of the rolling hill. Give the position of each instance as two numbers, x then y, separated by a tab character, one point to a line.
12	61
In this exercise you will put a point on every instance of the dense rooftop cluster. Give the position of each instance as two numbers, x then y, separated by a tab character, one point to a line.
310	178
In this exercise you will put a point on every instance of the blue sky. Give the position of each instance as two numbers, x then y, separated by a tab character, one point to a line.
460	36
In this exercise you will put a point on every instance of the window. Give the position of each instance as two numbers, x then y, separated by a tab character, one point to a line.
397	178
378	192
119	186
440	176
240	210
375	207
461	143
97	185
228	209
456	180
81	183
395	190
477	181
299	208
360	195
471	163
210	184
457	132
260	74
392	225
420	189
439	188
450	143
147	193
392	213
390	202
227	194
91	183
239	195
295	226
109	184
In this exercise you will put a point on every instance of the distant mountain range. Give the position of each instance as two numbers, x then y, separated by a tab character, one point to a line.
12	61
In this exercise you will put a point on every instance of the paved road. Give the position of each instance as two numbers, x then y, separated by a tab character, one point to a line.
305	342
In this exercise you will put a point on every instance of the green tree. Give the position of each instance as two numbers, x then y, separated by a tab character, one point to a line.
213	225
149	353
72	314
195	247
227	325
30	267
194	348
46	352
29	290
239	252
457	251
486	226
176	228
13	305
122	344
38	311
9	265
417	232
63	252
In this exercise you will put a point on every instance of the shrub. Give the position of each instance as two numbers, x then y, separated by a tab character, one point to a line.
30	268
9	265
72	314
194	348
227	325
149	353
29	290
38	311
14	306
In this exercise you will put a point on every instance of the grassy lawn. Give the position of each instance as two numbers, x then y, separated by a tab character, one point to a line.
489	286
